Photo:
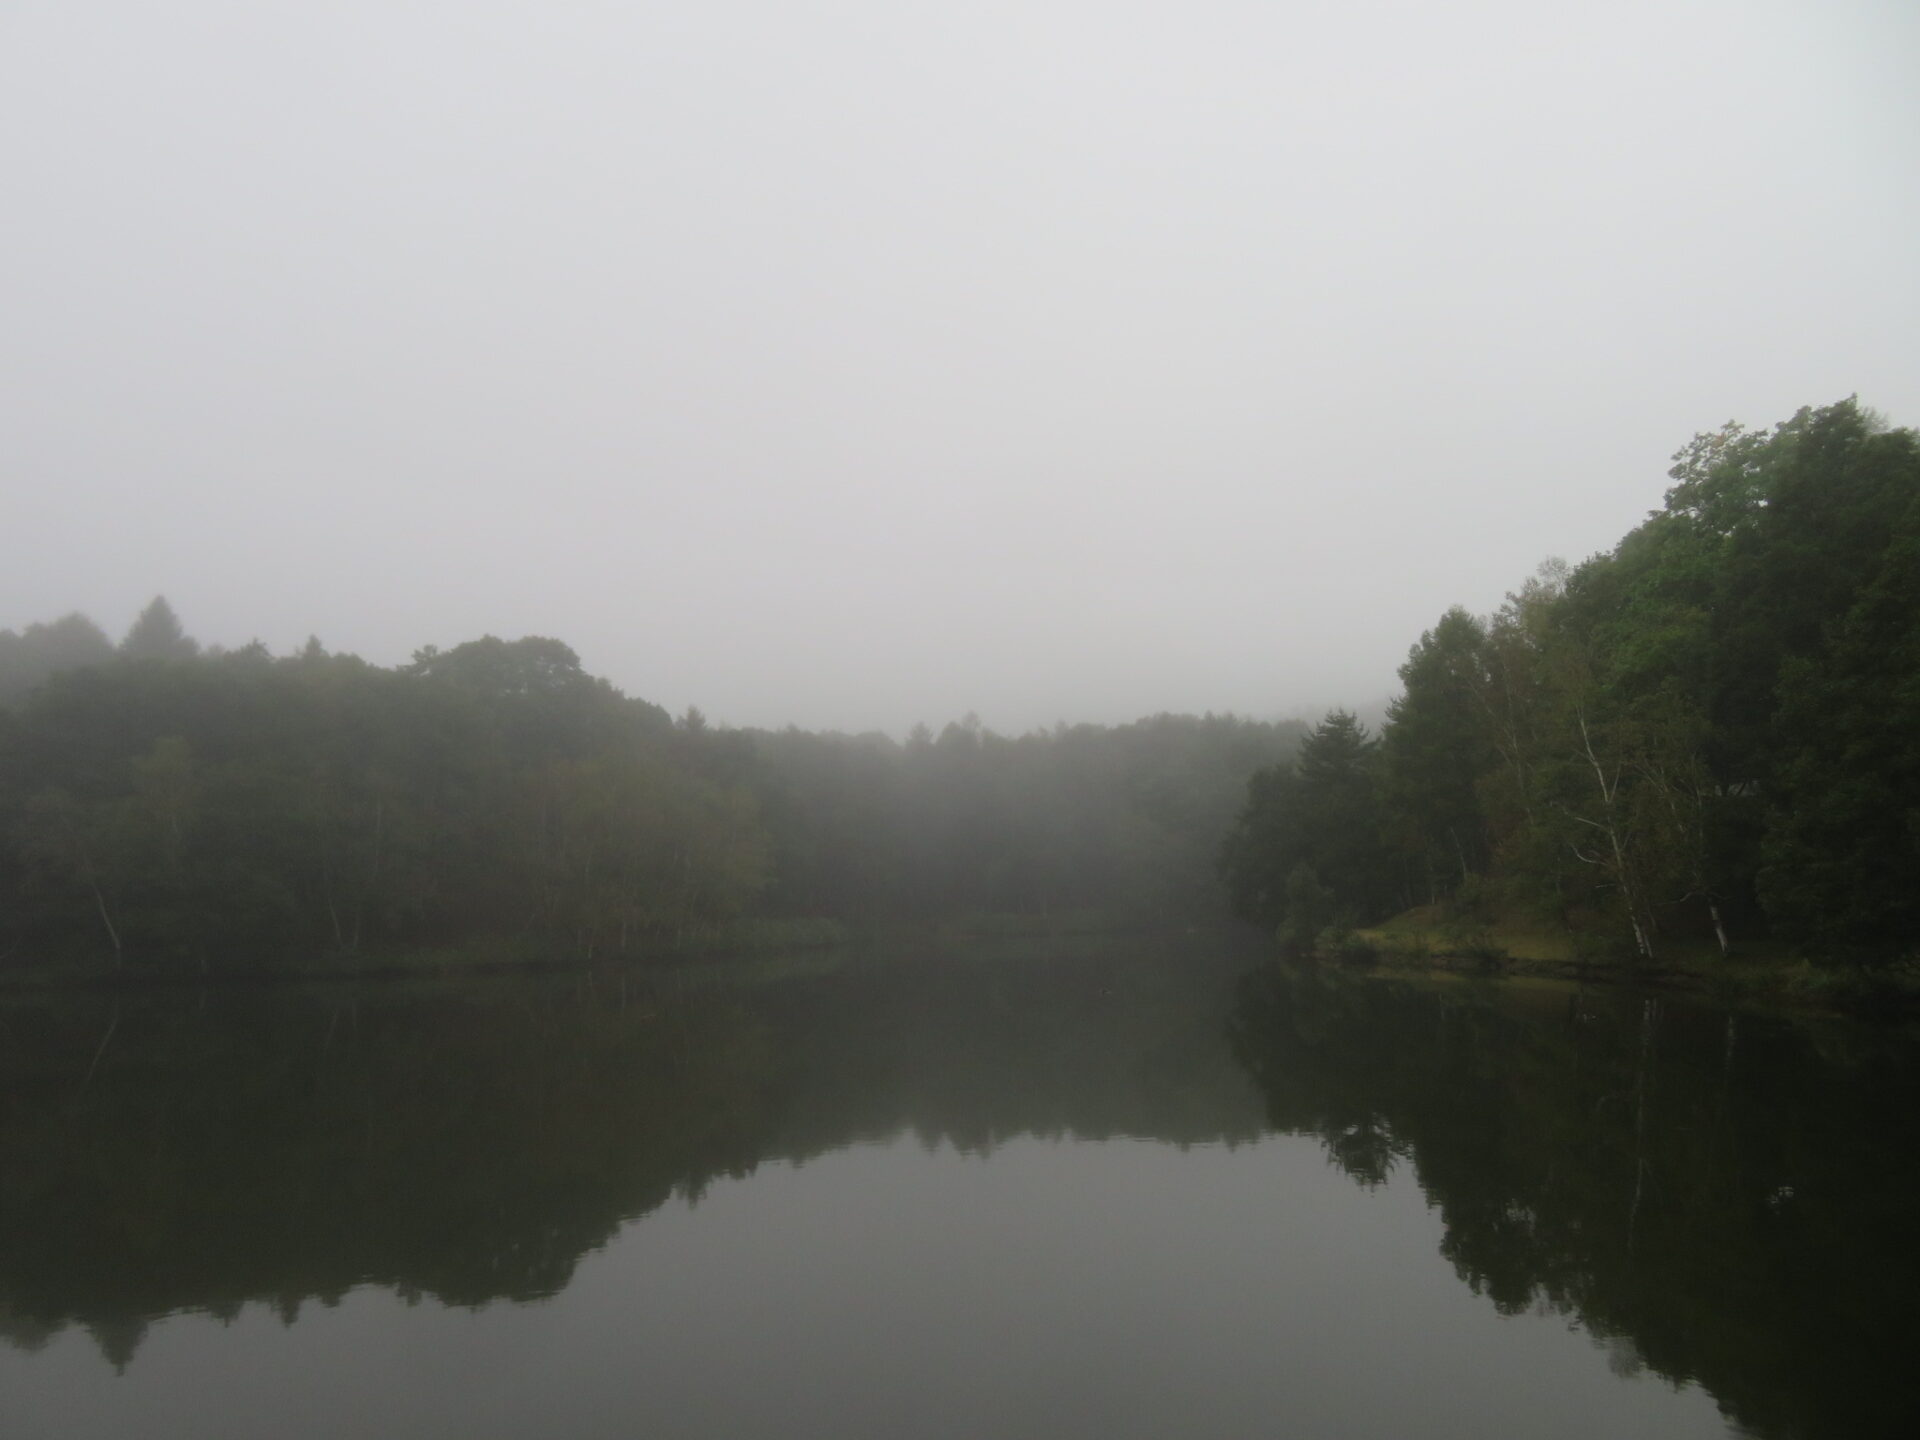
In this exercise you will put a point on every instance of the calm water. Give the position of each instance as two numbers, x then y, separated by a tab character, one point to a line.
1144	1192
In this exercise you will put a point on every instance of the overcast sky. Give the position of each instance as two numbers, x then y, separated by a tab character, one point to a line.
854	364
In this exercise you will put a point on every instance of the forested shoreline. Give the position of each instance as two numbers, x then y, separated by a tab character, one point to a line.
1707	737
170	810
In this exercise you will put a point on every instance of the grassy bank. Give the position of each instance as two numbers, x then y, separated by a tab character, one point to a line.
1765	974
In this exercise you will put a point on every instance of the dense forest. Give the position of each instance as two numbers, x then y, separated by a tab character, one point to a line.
169	807
1706	734
1709	734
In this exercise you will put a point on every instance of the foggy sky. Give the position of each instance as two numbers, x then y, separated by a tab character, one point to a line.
862	363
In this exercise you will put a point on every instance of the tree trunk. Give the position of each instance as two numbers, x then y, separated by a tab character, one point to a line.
1719	930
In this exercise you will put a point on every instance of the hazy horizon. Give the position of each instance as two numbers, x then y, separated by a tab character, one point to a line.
1371	710
850	366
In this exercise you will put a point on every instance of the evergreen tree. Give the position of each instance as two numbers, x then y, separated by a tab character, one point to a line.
157	635
1436	748
1310	838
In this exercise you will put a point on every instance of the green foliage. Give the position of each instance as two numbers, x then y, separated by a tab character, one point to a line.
28	659
177	809
1708	732
241	811
1309	846
1308	909
1436	745
1340	942
1479	944
1841	854
1703	735
158	635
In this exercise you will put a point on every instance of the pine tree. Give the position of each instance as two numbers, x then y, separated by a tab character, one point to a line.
157	635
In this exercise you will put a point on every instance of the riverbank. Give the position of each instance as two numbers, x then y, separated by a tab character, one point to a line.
780	941
1757	975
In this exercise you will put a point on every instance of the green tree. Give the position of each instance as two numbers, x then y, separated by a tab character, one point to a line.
157	635
1842	850
1436	748
1313	828
38	652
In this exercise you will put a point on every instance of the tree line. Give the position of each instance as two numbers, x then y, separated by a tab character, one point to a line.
1710	732
166	805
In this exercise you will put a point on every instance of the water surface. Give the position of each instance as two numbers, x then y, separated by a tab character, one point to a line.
1141	1192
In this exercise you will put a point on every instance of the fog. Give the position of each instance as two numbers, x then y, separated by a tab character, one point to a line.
856	364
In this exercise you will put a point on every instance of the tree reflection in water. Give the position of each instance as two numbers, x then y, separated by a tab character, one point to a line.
1718	1198
1715	1198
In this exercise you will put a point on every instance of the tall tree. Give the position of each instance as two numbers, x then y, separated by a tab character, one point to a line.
1436	747
158	635
1309	843
1840	868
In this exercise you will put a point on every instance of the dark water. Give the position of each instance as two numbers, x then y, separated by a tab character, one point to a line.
1133	1193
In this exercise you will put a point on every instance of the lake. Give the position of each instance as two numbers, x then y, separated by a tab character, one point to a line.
1128	1188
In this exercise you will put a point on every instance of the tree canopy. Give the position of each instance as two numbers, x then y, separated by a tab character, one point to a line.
166	806
1708	729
